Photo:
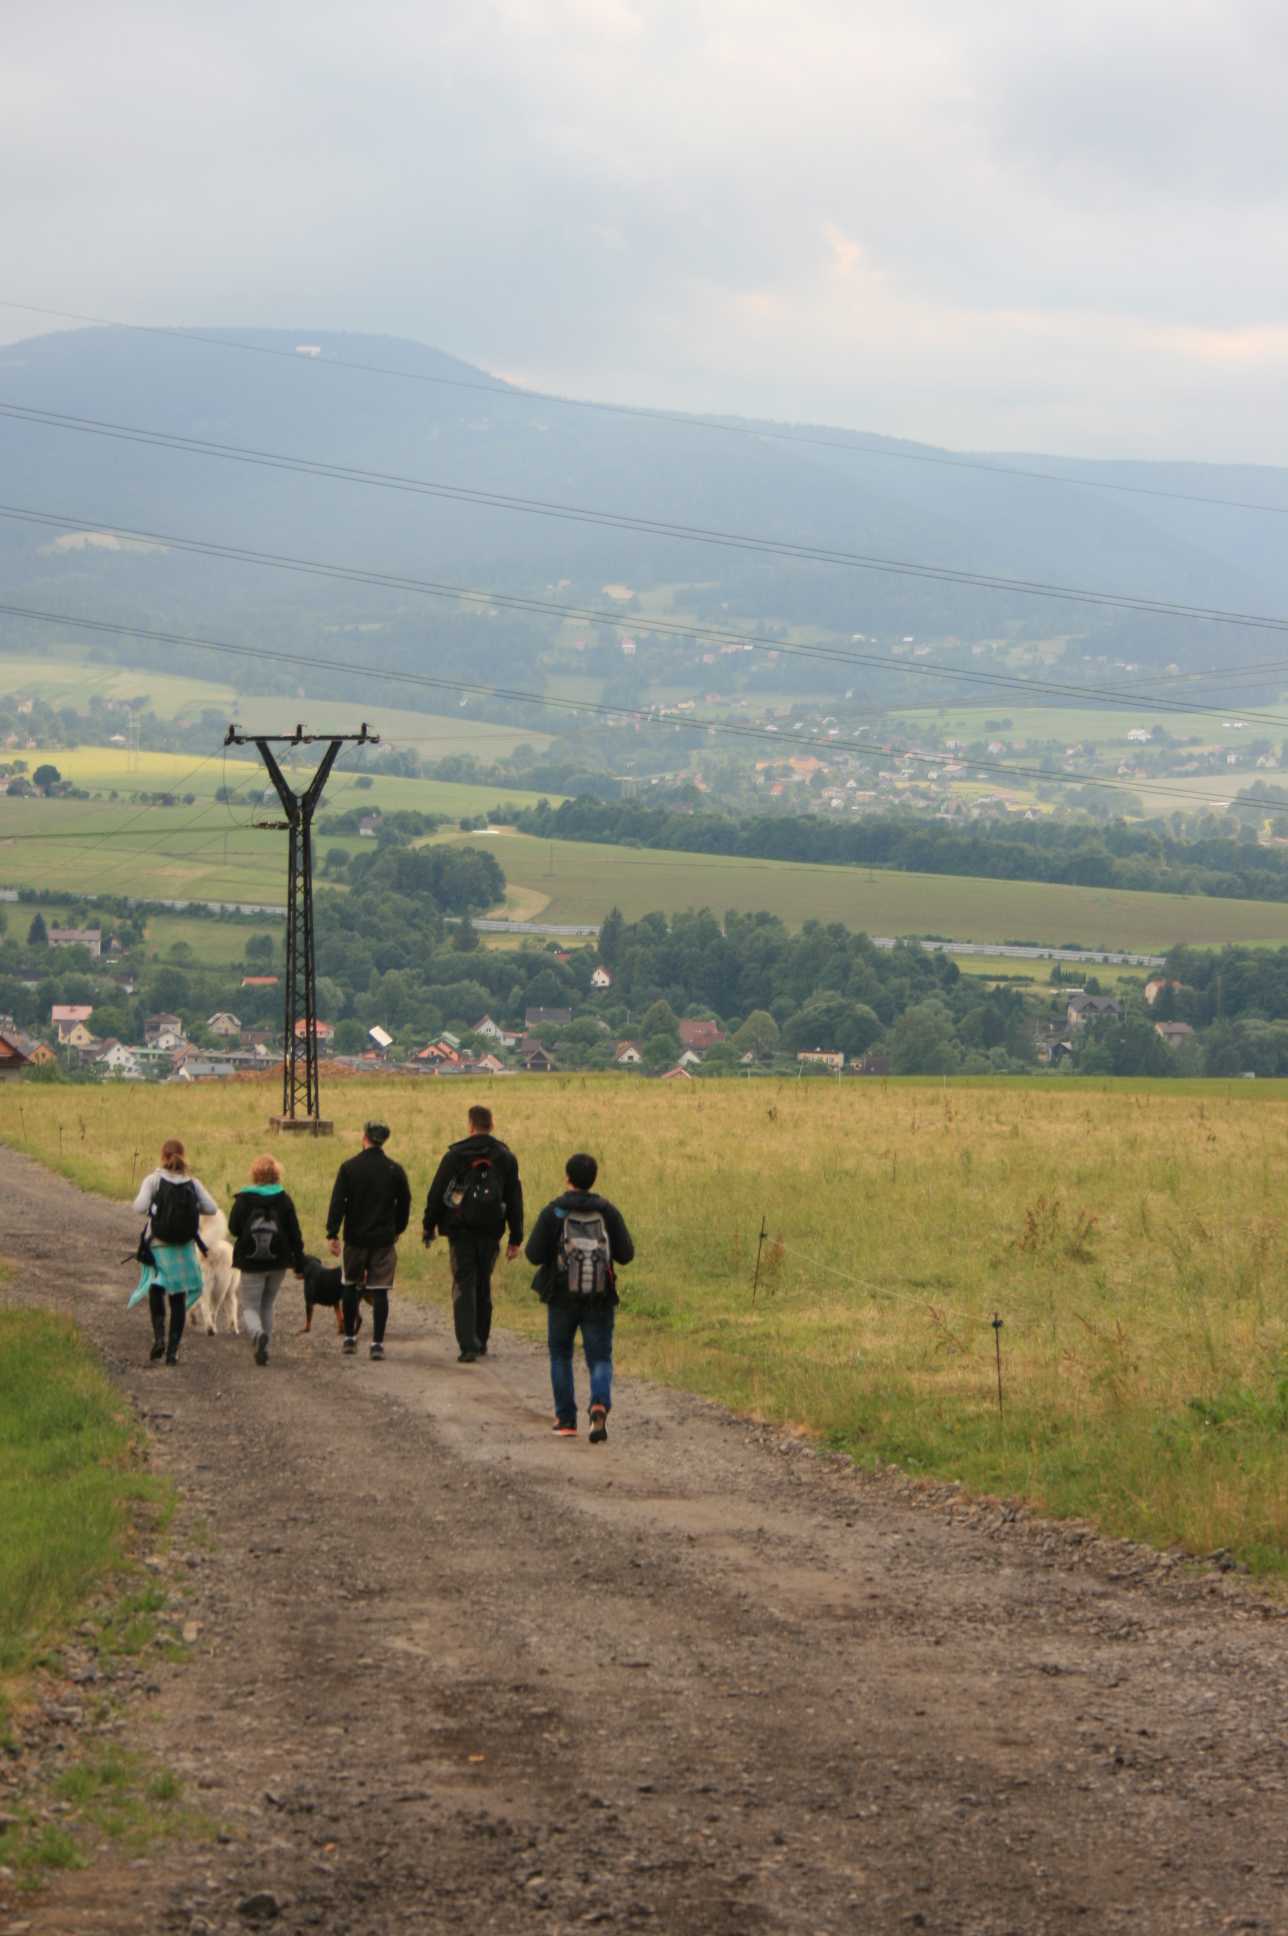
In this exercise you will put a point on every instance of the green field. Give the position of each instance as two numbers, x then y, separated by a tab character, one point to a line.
204	851
577	882
1128	1235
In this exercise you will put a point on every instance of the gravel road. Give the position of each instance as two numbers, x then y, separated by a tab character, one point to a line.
456	1674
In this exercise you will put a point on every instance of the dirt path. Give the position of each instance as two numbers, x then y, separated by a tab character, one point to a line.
455	1674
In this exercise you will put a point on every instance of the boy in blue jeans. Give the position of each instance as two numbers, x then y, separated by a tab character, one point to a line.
577	1243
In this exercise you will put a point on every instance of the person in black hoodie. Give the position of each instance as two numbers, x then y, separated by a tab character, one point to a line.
372	1200
267	1241
475	1195
577	1243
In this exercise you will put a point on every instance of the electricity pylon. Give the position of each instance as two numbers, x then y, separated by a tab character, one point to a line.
301	1047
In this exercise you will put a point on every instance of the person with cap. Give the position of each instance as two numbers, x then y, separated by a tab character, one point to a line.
371	1203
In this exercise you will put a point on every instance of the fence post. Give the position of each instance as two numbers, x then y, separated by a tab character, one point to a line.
997	1341
759	1247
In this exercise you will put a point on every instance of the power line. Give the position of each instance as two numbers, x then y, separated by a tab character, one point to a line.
1012	684
651	527
588	615
510	392
616	715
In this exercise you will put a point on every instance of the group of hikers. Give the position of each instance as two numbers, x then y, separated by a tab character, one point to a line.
476	1199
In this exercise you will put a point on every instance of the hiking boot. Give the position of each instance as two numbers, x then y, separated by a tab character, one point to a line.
467	1357
158	1349
377	1351
563	1431
261	1348
172	1357
480	1350
598	1425
349	1347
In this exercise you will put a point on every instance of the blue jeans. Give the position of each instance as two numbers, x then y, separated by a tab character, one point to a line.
596	1323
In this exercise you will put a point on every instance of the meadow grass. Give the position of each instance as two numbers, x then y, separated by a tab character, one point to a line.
1129	1235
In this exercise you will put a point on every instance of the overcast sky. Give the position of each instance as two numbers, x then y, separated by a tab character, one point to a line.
992	225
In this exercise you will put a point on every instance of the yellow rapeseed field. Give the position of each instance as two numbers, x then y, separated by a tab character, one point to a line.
1130	1237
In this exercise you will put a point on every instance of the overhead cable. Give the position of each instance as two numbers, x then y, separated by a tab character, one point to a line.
656	527
780	740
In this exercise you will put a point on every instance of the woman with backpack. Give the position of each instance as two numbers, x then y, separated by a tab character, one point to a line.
174	1203
267	1240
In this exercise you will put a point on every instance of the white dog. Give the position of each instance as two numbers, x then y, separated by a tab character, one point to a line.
220	1280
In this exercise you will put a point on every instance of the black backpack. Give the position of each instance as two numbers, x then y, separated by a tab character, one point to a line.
263	1244
477	1198
585	1257
176	1214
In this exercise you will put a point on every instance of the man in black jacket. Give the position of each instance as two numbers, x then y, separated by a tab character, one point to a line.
372	1199
577	1242
475	1194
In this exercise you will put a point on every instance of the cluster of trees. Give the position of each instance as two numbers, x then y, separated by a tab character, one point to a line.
824	987
1236	1001
1221	860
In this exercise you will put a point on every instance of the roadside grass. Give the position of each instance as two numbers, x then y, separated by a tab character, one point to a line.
74	1493
1129	1236
69	1472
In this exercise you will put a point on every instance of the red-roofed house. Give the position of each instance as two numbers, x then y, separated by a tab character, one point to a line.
12	1059
700	1035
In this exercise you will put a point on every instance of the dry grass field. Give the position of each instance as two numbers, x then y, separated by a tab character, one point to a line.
1130	1237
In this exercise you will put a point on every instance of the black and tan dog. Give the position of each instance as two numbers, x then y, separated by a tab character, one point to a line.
322	1286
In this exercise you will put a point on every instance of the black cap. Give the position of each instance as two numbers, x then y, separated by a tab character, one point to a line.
376	1132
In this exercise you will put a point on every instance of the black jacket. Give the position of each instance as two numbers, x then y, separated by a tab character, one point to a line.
279	1205
458	1158
543	1244
372	1198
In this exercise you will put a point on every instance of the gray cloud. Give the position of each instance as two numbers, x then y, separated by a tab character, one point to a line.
992	226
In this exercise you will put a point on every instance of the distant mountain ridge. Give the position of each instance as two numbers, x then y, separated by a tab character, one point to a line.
884	499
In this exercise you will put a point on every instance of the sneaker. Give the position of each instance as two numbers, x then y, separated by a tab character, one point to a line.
158	1349
350	1346
598	1425
563	1431
377	1351
261	1348
467	1357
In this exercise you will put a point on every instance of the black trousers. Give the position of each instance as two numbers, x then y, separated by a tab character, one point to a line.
379	1311
473	1261
157	1300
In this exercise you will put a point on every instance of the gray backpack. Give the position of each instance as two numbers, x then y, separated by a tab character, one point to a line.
585	1259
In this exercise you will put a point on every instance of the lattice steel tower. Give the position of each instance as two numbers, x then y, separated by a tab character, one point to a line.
300	1054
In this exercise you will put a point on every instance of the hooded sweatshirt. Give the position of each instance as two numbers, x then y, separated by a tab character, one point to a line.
543	1244
481	1148
255	1198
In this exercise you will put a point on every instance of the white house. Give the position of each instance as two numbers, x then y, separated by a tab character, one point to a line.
225	1024
491	1029
117	1060
627	1053
167	1039
690	1060
601	979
